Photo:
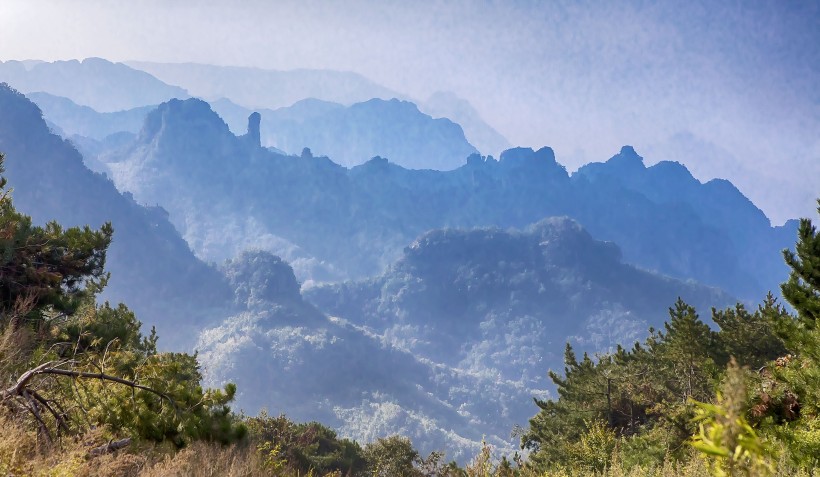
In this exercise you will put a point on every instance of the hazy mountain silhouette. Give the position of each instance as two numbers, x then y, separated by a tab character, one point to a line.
74	119
480	134
271	89
94	82
259	88
353	134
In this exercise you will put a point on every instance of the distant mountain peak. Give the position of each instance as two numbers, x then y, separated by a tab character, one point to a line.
627	158
526	157
182	112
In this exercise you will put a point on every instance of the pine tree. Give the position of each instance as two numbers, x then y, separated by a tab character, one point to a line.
751	338
802	289
795	397
46	268
689	354
53	334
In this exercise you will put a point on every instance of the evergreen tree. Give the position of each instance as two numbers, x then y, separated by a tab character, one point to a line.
793	393
68	363
802	289
392	456
688	352
752	338
46	269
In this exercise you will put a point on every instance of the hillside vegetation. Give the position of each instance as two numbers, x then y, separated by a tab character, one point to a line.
85	392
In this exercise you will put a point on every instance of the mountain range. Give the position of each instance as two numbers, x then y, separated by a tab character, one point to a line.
226	194
115	87
449	345
351	134
374	297
259	89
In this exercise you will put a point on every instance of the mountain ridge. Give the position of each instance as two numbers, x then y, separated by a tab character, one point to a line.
378	207
94	82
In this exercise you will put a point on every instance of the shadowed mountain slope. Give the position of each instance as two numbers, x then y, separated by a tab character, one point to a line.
153	269
74	119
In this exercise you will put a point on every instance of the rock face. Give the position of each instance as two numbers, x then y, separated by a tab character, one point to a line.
258	276
253	135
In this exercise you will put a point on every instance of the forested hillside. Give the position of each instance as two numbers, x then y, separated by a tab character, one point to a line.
689	400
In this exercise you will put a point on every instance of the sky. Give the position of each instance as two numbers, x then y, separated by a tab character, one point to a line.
730	89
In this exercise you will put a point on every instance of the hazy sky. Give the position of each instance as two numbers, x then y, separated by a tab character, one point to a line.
731	91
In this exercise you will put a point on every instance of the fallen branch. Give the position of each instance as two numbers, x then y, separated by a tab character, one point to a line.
110	447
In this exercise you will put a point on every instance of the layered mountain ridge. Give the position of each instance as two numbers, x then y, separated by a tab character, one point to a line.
349	134
93	82
290	204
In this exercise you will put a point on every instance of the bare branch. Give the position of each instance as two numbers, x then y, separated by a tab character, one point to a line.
52	368
34	402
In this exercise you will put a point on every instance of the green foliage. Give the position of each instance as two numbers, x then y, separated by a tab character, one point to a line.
802	289
631	392
593	450
47	267
96	368
392	456
755	424
725	438
752	338
305	447
688	352
792	395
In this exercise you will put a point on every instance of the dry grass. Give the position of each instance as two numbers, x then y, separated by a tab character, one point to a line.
21	454
209	460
